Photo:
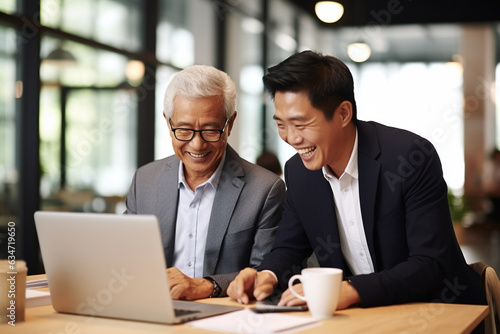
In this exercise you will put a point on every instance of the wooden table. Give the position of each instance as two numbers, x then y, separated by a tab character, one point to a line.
400	319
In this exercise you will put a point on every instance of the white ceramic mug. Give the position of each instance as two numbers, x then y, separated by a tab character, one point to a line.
321	289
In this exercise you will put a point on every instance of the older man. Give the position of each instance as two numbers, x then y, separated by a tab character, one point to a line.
218	213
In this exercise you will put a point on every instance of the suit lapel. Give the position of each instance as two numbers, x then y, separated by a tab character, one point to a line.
226	197
369	170
167	202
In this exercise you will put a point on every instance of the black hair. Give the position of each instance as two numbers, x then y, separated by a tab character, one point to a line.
326	79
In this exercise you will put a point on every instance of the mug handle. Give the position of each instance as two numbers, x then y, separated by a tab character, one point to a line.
290	286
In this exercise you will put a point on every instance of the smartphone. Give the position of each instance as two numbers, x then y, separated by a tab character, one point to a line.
270	304
268	307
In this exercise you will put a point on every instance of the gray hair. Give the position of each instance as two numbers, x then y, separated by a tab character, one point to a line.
198	81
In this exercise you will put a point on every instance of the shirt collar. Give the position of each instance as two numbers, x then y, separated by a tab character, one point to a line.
213	180
352	166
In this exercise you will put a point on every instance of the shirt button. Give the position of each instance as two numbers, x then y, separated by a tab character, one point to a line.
190	235
346	190
351	222
190	264
193	205
362	254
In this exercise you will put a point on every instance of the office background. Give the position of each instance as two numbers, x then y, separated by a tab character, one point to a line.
82	83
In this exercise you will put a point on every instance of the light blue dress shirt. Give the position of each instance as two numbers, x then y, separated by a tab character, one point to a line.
193	217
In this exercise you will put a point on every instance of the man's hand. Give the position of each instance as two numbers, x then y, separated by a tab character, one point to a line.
289	299
251	284
348	296
185	287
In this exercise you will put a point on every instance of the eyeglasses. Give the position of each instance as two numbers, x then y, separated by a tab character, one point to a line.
210	136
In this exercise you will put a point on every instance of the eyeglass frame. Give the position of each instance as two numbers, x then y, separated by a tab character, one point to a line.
200	131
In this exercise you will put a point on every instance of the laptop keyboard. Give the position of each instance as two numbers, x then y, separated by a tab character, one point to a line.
179	312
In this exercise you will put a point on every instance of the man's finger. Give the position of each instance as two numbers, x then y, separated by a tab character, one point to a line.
176	292
242	285
263	291
237	287
264	285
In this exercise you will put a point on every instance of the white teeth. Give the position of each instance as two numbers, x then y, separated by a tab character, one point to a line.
197	155
306	152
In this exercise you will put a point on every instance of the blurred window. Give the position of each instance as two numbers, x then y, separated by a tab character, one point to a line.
100	148
113	22
175	42
8	6
424	98
50	143
9	90
100	135
101	140
245	36
91	67
163	143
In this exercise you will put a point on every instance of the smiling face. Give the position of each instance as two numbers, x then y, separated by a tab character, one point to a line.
200	158
319	141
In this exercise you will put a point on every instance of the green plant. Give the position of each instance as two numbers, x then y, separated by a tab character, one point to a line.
458	208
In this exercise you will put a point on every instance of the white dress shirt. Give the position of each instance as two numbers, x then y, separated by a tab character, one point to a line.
348	210
193	217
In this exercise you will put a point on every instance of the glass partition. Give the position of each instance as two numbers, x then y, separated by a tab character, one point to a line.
101	141
10	90
99	148
88	128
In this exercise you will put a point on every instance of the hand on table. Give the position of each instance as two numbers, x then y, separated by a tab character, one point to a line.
289	299
245	287
250	284
185	287
348	296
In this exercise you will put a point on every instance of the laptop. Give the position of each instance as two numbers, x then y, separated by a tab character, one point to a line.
110	265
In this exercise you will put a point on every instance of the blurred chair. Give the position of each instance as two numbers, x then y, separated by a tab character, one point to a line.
491	285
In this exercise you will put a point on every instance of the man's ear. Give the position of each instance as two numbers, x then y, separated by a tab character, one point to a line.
168	127
345	112
230	123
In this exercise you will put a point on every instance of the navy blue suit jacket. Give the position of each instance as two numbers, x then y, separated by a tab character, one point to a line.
406	220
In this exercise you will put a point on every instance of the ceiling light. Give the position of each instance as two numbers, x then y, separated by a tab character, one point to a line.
60	57
359	52
329	11
134	71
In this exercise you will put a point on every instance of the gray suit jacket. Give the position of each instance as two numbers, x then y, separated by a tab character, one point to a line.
245	213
